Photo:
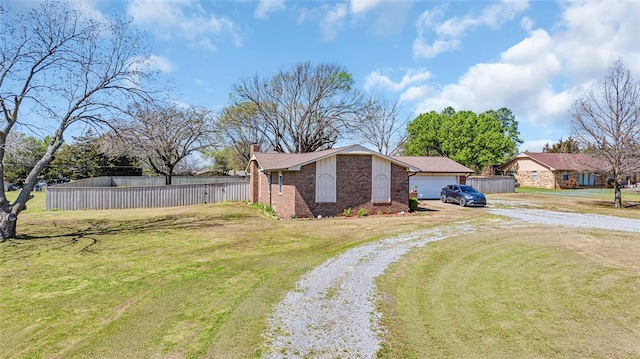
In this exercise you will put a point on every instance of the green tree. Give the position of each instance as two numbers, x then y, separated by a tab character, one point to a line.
424	135
86	157
474	140
221	160
570	145
21	154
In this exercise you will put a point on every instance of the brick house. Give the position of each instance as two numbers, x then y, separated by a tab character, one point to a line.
325	183
556	170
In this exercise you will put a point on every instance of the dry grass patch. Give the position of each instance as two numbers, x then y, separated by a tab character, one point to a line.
522	293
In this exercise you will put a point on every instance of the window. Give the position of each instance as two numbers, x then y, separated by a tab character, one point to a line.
279	182
534	175
512	173
565	176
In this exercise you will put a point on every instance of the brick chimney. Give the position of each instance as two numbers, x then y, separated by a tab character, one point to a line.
254	148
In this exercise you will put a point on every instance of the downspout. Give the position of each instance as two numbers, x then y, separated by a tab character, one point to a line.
270	190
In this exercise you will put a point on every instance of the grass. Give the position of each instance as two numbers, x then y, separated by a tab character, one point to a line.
196	282
628	194
518	293
201	281
599	201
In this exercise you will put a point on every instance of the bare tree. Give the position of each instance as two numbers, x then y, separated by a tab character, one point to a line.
60	67
302	110
164	135
608	122
380	127
241	129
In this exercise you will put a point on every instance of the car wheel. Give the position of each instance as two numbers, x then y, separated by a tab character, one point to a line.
462	202
443	198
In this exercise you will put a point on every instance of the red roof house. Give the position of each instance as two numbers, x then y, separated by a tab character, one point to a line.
556	170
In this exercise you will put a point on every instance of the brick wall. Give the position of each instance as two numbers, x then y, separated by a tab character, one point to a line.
353	190
546	179
554	180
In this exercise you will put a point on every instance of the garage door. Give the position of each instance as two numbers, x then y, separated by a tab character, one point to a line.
429	186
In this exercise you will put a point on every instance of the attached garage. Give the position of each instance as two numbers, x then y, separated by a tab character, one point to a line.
435	173
429	186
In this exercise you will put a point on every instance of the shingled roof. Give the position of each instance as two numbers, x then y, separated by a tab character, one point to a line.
566	161
274	161
434	164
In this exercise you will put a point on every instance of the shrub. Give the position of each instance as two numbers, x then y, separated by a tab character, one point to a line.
362	212
267	209
413	204
347	212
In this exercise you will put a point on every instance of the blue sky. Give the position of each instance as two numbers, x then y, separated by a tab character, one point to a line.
533	57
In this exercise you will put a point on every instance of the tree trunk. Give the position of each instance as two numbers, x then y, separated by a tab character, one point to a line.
617	195
8	221
167	180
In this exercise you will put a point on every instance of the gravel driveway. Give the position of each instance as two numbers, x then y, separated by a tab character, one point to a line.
332	312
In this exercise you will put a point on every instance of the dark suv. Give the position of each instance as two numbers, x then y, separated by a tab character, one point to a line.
462	195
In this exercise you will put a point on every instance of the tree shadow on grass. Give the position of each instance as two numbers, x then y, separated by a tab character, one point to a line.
92	229
609	204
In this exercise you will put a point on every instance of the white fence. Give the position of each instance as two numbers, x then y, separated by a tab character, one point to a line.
66	197
493	184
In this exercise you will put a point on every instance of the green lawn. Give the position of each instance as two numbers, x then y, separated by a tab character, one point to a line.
521	293
200	282
195	282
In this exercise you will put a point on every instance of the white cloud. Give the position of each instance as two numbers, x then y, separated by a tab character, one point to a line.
535	145
540	77
451	30
412	76
527	23
361	6
415	93
161	64
153	63
424	50
521	78
266	7
182	20
597	33
333	21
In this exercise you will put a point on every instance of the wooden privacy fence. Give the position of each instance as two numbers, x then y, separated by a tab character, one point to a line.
79	198
493	184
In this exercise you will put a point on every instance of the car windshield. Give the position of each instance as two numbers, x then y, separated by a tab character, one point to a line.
468	189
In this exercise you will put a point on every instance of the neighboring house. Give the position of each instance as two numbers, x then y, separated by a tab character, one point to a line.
556	170
325	183
435	173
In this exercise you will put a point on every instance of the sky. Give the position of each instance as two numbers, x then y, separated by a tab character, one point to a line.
535	58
